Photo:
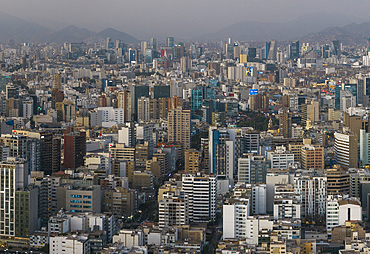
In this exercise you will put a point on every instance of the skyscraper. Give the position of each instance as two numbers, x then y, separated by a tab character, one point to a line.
58	81
294	50
272	50
202	197
136	93
179	128
123	103
170	42
285	123
153	43
74	149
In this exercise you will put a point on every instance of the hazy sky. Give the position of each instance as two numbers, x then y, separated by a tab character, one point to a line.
146	18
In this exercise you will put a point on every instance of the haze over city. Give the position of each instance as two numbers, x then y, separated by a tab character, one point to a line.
191	18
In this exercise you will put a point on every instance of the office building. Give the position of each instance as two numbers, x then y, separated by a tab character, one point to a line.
345	150
294	50
340	210
312	157
16	171
312	191
192	161
280	158
173	210
338	181
252	169
179	128
285	124
202	195
170	42
74	149
73	243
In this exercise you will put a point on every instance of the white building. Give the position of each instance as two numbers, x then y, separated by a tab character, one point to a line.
235	213
127	135
271	180
202	196
313	194
130	238
258	195
143	105
27	108
76	244
107	116
364	147
173	210
280	158
339	210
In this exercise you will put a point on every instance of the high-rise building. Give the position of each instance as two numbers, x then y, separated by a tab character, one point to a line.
313	195
222	152
153	43
161	91
192	162
252	169
58	81
143	105
312	157
173	210
16	171
179	128
338	181
272	50
136	93
56	96
294	50
340	211
196	98
202	196
285	124
345	150
170	42
74	149
127	135
123	104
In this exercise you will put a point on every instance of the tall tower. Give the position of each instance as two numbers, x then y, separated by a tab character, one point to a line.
74	149
179	128
285	124
170	42
123	103
58	81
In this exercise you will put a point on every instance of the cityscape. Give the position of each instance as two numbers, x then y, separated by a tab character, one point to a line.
225	143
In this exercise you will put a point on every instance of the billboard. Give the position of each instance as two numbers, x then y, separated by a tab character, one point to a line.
253	92
249	71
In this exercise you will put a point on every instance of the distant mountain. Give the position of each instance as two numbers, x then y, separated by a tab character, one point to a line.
117	35
263	31
23	31
350	34
71	34
20	30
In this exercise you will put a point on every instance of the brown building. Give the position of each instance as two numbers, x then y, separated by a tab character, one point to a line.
120	201
142	180
174	102
192	161
179	128
123	103
285	124
74	149
342	234
338	181
56	96
154	166
312	157
141	156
